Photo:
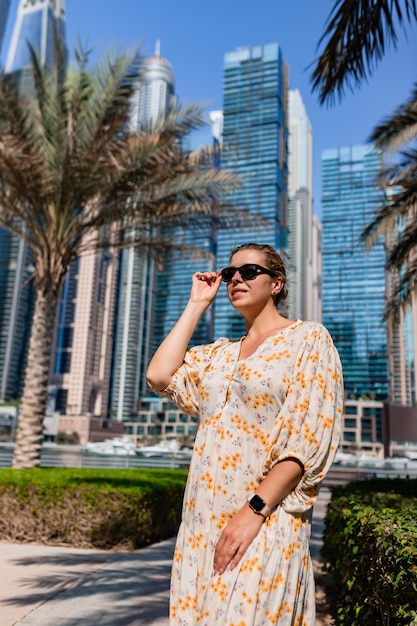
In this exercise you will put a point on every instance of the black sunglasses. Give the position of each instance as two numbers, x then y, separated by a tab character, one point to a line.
249	271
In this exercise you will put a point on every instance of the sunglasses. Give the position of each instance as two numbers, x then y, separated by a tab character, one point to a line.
249	271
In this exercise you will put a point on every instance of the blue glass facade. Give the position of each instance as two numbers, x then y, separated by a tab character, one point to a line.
16	310
35	27
16	264
149	301
4	14
66	317
353	278
255	135
174	285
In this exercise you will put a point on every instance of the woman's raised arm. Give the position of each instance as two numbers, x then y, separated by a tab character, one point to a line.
170	354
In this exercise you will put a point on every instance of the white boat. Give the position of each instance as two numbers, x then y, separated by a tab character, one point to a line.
367	461
119	446
345	458
411	454
167	447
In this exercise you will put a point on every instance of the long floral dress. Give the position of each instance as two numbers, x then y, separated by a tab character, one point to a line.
285	400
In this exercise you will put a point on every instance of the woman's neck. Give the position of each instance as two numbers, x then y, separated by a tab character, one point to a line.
265	324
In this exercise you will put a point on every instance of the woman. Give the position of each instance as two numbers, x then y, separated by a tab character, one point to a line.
270	409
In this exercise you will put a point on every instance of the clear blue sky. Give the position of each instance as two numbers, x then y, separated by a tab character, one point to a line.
195	36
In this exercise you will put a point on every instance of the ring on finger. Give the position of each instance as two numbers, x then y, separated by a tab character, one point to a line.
233	548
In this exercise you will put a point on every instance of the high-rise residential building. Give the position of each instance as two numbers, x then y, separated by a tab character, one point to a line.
4	14
174	282
35	24
83	341
16	310
38	22
138	307
300	211
316	259
154	94
402	338
255	134
354	278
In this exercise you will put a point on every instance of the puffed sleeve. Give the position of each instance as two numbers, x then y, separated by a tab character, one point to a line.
308	426
183	389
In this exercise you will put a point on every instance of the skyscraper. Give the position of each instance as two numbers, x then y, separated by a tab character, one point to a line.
4	14
316	250
354	279
402	339
35	24
82	350
255	133
16	310
300	211
174	282
137	306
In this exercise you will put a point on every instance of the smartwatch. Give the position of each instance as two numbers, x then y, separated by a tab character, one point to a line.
259	506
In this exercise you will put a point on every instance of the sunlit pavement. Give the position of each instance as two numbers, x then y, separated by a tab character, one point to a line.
57	586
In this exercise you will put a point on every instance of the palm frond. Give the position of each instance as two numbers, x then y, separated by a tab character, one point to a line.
357	33
400	184
402	290
399	128
71	165
400	253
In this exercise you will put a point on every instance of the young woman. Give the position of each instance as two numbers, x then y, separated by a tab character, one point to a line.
270	408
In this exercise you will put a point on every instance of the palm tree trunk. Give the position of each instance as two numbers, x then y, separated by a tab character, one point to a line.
29	435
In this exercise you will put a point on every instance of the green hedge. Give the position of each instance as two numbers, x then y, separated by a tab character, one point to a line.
370	544
124	509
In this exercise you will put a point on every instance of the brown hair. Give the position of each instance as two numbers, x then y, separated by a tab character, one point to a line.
274	263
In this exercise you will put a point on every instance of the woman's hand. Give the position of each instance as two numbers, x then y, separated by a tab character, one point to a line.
205	286
236	538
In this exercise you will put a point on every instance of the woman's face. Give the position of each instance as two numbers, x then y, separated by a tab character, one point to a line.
244	294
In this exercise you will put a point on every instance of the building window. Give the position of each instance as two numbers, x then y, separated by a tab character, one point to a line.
61	400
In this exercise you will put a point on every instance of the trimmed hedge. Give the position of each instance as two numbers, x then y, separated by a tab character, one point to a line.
370	544
90	508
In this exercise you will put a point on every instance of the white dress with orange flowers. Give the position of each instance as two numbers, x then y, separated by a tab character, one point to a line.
285	400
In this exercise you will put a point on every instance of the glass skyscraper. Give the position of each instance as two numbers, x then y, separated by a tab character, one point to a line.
4	14
353	278
140	300
301	293
255	135
35	24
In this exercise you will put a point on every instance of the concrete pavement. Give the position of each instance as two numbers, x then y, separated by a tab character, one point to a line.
57	586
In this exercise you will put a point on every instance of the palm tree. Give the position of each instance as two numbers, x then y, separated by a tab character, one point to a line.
74	177
357	34
399	214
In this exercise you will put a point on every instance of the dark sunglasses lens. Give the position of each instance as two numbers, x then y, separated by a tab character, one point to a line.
248	272
228	273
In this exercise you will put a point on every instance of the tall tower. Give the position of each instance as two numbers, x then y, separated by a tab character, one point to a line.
137	305
316	250
82	352
354	279
35	24
300	210
174	282
4	14
155	90
255	134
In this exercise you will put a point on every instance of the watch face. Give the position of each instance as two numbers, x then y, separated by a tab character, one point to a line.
257	503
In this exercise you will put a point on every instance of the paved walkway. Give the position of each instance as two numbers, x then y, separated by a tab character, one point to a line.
56	586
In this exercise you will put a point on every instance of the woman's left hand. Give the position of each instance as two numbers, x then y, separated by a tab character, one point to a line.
236	538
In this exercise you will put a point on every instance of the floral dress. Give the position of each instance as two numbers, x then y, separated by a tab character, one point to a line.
285	400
